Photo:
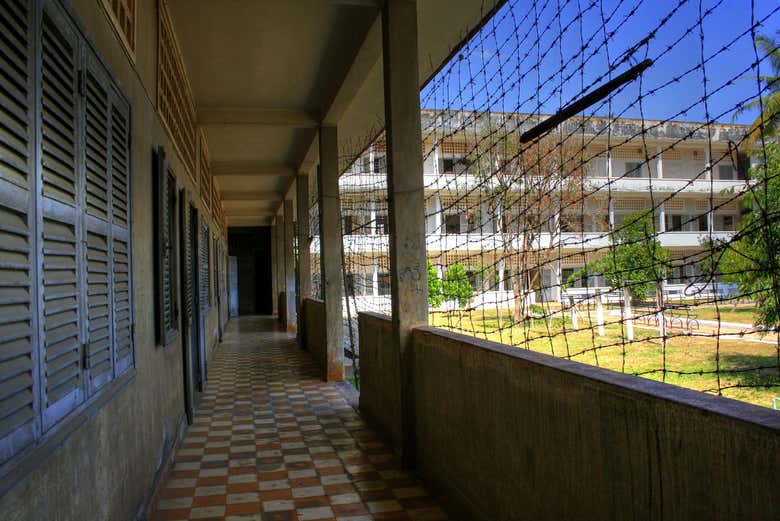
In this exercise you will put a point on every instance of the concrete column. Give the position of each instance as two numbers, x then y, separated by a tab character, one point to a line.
274	270
280	283
291	320
406	196
304	254
330	252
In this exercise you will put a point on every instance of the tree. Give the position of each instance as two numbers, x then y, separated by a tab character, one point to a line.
456	285
751	258
528	184
435	297
635	258
767	122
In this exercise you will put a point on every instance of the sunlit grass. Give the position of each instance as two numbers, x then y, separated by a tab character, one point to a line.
700	363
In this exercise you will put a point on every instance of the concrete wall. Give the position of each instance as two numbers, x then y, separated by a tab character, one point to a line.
314	336
380	372
104	466
507	434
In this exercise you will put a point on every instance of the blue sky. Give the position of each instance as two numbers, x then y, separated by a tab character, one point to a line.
528	58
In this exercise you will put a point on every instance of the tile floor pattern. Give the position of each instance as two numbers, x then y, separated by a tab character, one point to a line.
272	442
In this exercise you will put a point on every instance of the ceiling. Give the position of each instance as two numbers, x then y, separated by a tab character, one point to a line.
266	74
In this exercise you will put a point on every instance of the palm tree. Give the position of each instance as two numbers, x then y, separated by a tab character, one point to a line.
769	119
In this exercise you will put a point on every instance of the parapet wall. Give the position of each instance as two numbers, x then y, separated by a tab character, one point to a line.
507	434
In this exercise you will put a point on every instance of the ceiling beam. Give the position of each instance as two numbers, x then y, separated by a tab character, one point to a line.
248	212
256	116
250	196
250	168
365	59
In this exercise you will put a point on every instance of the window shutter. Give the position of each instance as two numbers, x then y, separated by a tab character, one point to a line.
166	204
59	227
187	259
203	267
19	422
97	359
120	234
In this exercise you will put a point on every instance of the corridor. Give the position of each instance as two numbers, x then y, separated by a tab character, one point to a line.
273	442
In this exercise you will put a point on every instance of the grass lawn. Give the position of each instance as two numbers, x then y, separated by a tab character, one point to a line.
689	361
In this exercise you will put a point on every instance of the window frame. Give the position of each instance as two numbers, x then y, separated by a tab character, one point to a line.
111	223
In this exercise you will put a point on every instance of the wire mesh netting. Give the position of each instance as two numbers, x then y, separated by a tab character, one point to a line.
602	185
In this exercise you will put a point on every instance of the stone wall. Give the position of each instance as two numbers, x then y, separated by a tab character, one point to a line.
380	372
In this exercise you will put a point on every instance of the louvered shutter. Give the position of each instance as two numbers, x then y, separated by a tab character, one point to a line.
166	242
203	267
120	233
18	331
59	226
188	251
97	184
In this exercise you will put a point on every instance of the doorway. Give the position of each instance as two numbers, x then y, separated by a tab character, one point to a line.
191	330
251	274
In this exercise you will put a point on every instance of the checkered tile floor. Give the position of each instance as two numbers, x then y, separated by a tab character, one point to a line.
272	442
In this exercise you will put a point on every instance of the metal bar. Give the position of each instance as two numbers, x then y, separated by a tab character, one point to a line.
585	102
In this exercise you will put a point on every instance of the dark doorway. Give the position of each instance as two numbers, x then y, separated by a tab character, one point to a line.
252	249
191	353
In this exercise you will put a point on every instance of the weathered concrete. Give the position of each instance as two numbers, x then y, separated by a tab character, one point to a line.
314	313
330	252
290	308
304	256
104	464
508	434
380	370
406	193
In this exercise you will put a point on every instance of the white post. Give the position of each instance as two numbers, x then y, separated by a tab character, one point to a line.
659	295
372	210
627	314
375	279
437	221
575	324
660	174
600	315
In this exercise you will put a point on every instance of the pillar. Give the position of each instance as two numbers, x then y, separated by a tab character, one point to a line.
660	174
291	318
330	252
304	255
279	263
274	271
406	196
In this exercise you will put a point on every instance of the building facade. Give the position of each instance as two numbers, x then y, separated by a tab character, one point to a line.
689	179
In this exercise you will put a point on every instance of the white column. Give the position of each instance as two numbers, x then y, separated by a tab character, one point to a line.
375	278
437	217
659	167
372	217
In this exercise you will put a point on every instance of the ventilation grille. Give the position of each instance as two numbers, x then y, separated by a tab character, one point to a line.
174	95
631	204
122	14
205	174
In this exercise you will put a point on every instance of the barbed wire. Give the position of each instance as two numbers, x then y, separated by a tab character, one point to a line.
639	235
